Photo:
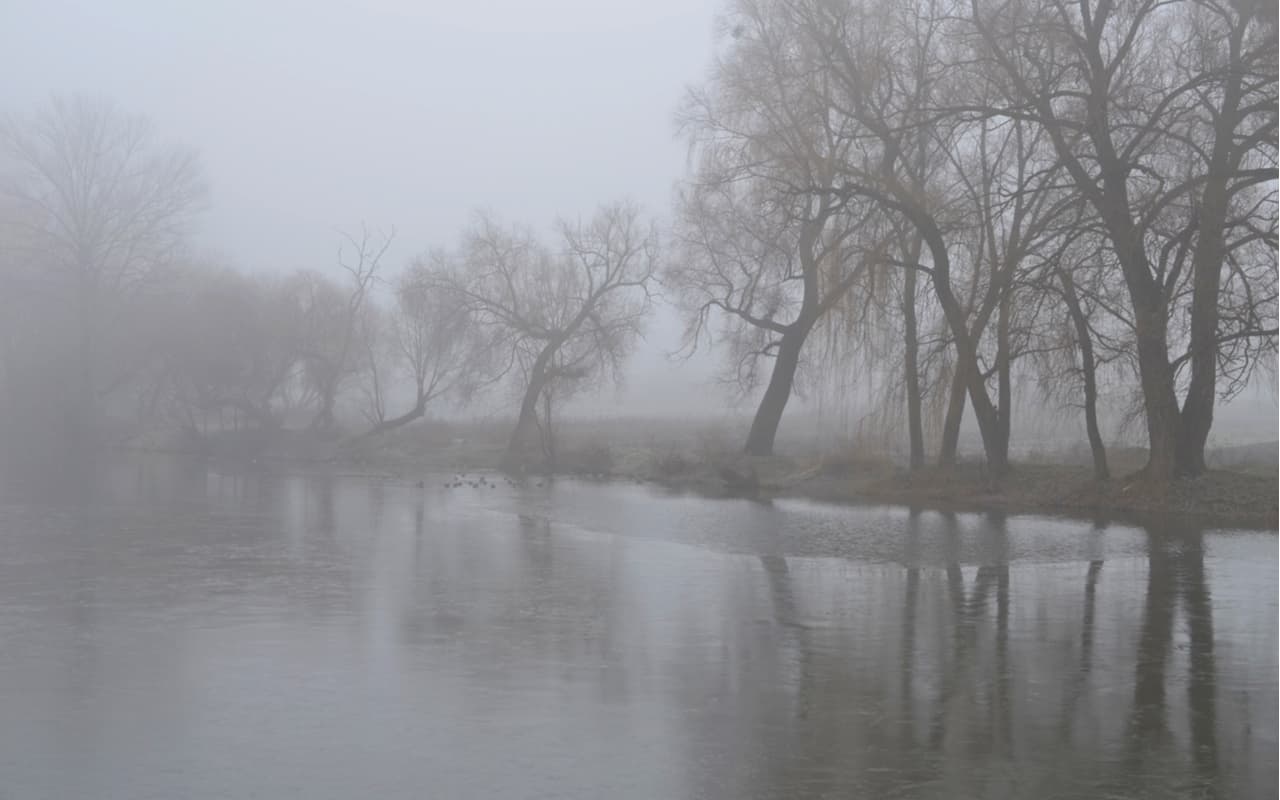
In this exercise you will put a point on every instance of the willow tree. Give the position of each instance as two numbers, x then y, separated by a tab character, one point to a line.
429	340
767	250
886	67
552	314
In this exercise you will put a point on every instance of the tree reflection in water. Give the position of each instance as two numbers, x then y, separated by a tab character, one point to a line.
920	654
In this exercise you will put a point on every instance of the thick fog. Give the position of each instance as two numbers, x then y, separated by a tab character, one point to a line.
311	117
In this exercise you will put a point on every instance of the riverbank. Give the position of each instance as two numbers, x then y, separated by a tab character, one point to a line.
1227	497
1218	497
1237	492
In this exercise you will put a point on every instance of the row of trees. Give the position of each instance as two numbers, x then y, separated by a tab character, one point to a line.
106	310
943	197
1063	187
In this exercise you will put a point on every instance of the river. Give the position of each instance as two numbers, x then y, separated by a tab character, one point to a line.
170	630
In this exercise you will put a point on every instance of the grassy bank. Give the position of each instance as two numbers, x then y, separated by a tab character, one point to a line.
1246	496
1219	496
685	456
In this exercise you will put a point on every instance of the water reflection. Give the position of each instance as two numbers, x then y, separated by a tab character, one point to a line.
1176	581
189	632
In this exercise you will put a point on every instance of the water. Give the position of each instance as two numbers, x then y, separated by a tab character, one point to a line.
167	631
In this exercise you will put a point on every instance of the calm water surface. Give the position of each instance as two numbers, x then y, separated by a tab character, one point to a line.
170	631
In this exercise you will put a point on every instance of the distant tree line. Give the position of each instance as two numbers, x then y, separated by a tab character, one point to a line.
107	311
960	195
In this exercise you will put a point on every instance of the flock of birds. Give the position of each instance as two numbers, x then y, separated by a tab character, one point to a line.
462	479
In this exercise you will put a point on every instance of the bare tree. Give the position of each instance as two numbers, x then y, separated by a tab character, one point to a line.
557	315
432	343
101	206
1163	114
335	318
1158	116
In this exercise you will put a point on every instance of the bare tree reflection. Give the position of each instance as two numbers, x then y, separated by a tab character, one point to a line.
997	546
1147	724
968	611
911	558
1080	678
1202	688
1176	577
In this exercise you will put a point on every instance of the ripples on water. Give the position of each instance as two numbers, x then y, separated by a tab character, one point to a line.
177	632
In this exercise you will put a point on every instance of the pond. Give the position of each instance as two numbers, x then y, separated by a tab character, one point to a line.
169	630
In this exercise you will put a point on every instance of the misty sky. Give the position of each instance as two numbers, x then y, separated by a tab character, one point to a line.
314	115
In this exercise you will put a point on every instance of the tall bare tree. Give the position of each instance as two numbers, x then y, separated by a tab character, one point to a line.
102	205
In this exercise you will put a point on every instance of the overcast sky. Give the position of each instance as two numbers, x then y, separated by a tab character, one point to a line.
315	115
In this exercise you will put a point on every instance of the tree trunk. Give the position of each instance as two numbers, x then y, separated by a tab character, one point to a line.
1150	324
986	414
323	420
1206	265
1088	367
86	400
1150	316
548	435
951	423
527	423
1004	378
915	429
418	411
764	427
994	446
1159	400
1197	408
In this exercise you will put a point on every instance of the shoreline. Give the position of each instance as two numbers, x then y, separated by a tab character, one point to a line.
1230	498
1050	490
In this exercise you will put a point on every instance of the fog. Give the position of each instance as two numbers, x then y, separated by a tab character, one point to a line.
314	121
310	117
